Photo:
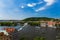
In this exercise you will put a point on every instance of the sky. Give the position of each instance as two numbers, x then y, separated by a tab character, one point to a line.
21	9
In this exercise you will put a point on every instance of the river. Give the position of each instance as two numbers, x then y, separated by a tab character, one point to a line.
30	32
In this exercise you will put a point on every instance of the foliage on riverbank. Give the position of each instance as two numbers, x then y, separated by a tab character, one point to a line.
39	38
7	24
40	19
35	38
33	21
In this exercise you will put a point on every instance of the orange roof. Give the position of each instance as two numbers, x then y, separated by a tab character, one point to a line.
50	23
9	30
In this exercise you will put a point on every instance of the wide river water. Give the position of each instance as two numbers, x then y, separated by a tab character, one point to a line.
30	31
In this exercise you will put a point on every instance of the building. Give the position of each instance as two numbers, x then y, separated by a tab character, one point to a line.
43	23
4	37
5	34
9	30
47	23
51	23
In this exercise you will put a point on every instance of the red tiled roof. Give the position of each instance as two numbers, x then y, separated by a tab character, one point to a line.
9	30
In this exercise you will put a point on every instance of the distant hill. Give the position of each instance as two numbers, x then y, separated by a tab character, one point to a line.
39	19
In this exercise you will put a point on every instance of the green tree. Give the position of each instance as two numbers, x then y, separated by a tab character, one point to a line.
39	38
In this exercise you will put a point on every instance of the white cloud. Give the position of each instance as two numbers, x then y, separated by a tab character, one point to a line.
48	3
42	8
39	2
31	5
22	6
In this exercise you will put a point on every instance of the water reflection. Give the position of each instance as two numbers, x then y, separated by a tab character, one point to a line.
33	31
25	24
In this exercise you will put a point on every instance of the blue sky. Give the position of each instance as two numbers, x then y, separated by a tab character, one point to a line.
21	9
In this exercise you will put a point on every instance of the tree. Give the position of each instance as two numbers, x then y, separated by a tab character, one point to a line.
39	38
